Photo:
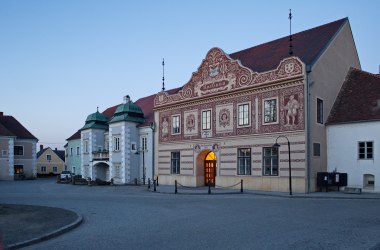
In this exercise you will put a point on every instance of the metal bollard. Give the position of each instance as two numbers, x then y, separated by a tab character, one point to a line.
175	184
154	185
135	181
148	183
209	187
157	181
241	186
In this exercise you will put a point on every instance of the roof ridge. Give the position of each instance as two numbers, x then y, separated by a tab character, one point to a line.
300	32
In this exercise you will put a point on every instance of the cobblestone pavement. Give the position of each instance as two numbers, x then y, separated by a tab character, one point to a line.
129	217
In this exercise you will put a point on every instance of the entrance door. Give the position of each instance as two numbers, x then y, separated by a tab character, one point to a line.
210	172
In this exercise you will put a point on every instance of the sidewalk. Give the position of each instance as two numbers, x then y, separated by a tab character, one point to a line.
170	189
23	225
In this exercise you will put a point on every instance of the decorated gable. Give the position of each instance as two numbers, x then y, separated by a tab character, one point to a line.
218	74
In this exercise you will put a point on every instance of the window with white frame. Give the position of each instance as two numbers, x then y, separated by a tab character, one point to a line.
270	161
116	143
244	161
18	150
176	124
144	142
117	171
43	169
48	157
55	169
175	162
365	150
270	110
319	111
85	145
71	151
206	119
243	114
78	150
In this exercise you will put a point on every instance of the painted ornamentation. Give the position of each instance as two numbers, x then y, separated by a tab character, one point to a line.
224	117
291	108
219	73
190	122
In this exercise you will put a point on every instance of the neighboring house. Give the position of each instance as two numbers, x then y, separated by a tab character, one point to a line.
50	162
220	127
17	150
118	143
73	153
353	131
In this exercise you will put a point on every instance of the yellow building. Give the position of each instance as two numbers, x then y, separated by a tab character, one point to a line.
50	162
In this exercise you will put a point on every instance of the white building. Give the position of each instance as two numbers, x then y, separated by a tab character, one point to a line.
353	131
117	144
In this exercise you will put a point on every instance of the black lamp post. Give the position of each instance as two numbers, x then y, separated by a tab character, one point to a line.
140	149
276	145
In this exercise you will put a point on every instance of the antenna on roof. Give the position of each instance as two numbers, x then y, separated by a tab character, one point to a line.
290	36
97	109
163	74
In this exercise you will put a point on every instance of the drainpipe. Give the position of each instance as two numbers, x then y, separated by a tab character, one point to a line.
153	127
308	71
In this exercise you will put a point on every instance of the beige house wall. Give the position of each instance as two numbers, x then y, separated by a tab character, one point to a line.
55	161
325	81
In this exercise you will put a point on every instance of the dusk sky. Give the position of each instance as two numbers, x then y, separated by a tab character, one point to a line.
61	59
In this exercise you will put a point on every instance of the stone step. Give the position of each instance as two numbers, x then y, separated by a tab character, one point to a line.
353	190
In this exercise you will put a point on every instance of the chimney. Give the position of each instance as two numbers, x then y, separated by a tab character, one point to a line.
41	147
55	149
1	114
126	99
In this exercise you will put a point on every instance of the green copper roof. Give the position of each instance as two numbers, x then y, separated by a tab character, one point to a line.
128	112
96	121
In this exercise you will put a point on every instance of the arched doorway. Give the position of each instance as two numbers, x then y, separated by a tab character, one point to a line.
210	168
102	171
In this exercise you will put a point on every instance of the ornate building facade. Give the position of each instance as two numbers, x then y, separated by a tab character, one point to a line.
220	127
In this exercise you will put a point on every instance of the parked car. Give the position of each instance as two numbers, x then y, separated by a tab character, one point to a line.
65	175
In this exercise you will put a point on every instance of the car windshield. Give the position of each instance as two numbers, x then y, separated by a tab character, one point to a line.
65	172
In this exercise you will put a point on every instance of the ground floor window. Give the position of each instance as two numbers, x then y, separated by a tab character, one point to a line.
55	169
175	163
19	169
244	161
270	161
43	169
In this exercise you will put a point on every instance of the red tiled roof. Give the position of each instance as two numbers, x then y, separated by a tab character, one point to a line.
358	99
9	126
307	45
75	136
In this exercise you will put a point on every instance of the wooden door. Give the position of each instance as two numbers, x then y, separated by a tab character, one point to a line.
210	172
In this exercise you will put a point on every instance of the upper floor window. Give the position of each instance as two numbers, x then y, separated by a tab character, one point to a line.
206	119
4	152
243	114
365	150
116	143
18	150
175	124
270	110
175	162
244	161
85	145
144	143
319	111
48	157
270	161
78	151
71	151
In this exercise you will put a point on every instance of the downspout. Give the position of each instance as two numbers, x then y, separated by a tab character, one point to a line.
308	145
153	127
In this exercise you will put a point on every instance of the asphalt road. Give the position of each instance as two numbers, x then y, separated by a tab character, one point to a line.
127	217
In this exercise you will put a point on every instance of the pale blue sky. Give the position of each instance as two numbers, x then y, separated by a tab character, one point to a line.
61	59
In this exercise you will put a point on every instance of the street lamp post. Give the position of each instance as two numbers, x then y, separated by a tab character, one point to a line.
140	149
276	145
